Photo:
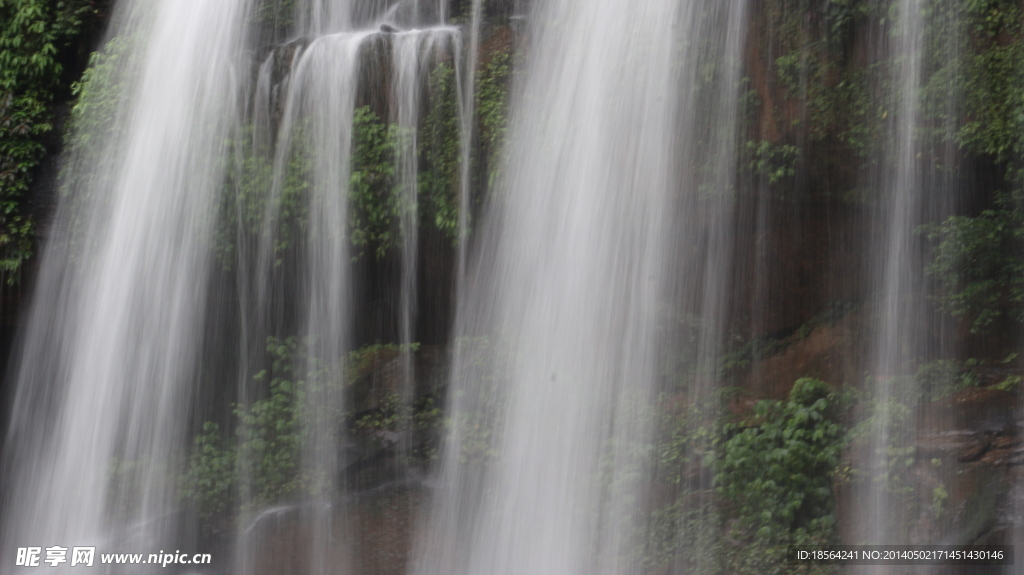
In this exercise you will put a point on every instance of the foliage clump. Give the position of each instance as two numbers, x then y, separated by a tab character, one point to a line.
978	264
774	163
32	34
377	201
992	91
977	258
778	474
492	101
261	462
440	150
268	441
256	206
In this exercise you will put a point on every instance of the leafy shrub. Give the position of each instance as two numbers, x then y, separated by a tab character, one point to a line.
271	432
249	204
492	101
268	443
939	378
376	198
210	479
978	264
774	163
31	34
778	474
440	150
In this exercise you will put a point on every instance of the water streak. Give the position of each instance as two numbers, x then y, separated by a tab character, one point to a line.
106	370
563	292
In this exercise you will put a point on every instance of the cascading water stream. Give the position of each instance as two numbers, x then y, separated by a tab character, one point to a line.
122	302
918	183
406	64
412	53
317	119
543	470
467	107
900	194
318	113
107	360
322	287
915	188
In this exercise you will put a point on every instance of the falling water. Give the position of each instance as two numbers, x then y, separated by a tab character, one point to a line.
564	291
468	107
915	188
105	370
206	262
412	54
116	341
900	189
319	105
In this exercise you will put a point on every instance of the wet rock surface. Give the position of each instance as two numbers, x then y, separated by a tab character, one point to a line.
969	449
369	533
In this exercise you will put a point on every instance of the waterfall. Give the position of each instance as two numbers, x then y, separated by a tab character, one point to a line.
502	287
104	378
565	287
123	353
915	187
319	119
900	189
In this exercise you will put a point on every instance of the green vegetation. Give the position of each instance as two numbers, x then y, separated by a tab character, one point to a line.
249	202
977	256
816	71
840	106
377	200
977	259
779	475
978	264
93	123
210	480
100	93
686	441
394	416
376	197
269	437
773	479
492	101
774	163
440	151
991	83
32	34
298	397
937	379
